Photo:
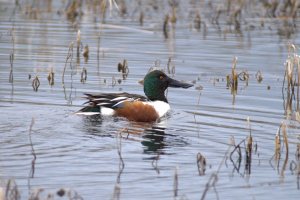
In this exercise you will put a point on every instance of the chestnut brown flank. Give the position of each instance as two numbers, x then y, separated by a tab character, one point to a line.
137	111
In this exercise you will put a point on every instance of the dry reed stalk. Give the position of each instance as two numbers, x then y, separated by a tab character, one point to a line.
122	8
11	57
249	144
170	66
83	75
166	27
277	145
98	50
259	76
69	57
297	62
285	138
123	67
113	81
291	79
175	186
103	7
71	11
298	153
154	163
141	18
250	139
119	148
201	164
2	194
234	74
51	77
197	21
117	188
36	83
213	179
31	173
78	41
232	79
85	53
11	74
173	18
11	191
117	192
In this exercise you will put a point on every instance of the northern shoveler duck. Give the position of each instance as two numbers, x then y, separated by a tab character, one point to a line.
132	106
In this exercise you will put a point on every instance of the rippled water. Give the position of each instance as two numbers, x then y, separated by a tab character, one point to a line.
63	150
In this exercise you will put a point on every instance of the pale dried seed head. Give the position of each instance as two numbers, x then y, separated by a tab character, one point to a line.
248	121
289	68
78	37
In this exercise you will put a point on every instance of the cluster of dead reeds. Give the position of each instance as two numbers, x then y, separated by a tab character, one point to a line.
232	79
290	92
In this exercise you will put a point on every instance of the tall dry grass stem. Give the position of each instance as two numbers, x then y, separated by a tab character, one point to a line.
68	59
175	185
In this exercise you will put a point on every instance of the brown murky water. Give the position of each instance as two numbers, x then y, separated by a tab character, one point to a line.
80	154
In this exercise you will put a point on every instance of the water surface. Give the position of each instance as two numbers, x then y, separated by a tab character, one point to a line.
64	150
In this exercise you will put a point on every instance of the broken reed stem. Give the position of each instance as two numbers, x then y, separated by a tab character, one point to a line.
119	147
239	151
250	139
117	192
117	188
69	56
154	163
83	77
292	79
175	187
212	181
168	65
285	139
36	83
234	74
12	191
31	173
166	27
277	145
98	51
298	83
124	69
201	163
78	40
11	75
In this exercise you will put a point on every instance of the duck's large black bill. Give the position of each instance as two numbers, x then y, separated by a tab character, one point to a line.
176	84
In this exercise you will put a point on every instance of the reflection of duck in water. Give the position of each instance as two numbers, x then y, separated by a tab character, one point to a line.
132	106
154	140
154	137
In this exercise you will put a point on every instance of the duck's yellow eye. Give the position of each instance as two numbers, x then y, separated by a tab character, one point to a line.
161	77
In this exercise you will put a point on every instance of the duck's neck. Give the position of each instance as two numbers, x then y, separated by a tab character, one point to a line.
155	94
156	98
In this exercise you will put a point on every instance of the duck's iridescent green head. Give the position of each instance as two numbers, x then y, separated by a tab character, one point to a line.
156	82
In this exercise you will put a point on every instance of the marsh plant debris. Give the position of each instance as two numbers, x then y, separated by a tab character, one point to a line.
36	83
201	164
291	82
51	77
123	68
